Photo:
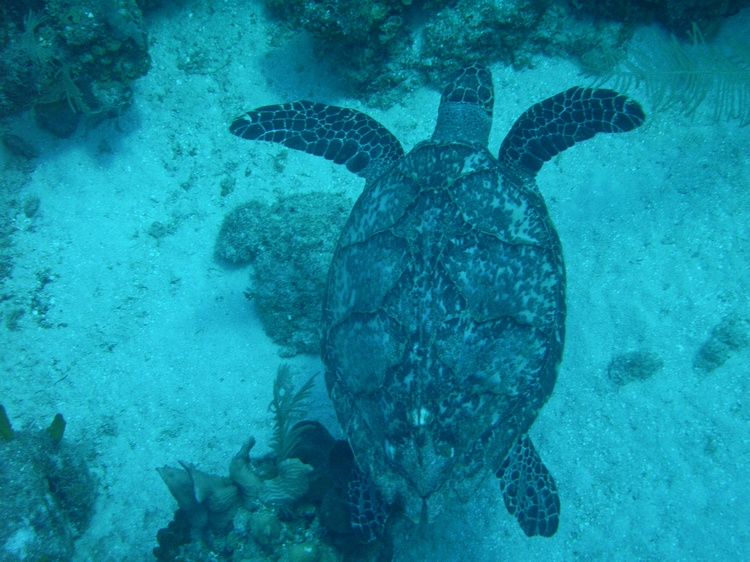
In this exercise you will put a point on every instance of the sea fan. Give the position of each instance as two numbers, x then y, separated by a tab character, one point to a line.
683	76
39	55
288	407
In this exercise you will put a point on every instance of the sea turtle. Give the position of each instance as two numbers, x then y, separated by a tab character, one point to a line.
444	313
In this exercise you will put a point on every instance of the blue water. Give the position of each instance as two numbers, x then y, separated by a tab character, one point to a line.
152	352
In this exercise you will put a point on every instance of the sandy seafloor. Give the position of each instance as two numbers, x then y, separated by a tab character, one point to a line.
160	357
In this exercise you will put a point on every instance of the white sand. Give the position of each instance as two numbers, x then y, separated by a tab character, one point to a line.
162	358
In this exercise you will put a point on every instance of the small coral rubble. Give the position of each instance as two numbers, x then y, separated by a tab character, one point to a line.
728	337
634	366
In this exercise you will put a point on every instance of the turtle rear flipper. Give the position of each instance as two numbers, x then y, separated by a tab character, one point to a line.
529	490
343	135
367	507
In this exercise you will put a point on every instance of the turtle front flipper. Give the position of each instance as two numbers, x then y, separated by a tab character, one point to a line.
343	135
529	490
550	126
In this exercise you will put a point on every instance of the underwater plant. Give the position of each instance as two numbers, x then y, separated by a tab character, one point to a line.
37	53
71	92
288	407
683	76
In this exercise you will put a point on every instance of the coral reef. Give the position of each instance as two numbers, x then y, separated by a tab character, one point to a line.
292	507
369	42
48	493
379	45
675	15
207	500
512	32
634	366
66	58
290	245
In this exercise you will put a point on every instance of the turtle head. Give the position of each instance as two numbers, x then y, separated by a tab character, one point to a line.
465	112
